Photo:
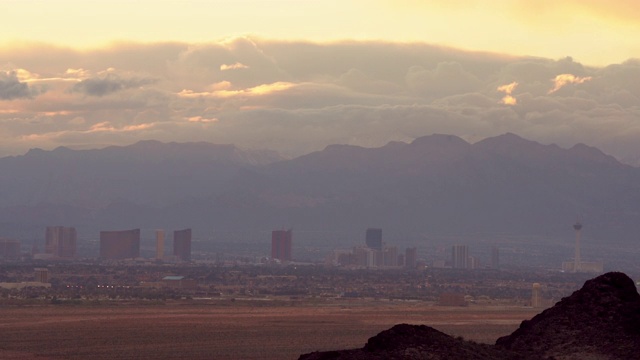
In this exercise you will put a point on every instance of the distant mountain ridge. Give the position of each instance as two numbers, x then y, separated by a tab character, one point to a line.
436	184
600	321
145	173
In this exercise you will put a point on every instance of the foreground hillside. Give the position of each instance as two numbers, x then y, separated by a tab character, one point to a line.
599	321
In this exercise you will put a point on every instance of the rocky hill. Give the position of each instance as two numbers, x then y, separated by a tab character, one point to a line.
599	321
416	342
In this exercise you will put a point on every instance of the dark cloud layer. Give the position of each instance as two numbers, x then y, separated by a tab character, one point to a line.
105	85
297	97
11	87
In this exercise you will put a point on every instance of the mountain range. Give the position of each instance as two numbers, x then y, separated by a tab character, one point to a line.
437	184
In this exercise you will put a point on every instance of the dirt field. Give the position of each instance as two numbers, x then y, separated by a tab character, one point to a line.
199	330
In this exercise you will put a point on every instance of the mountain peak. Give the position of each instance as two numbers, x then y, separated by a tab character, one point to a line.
439	140
505	141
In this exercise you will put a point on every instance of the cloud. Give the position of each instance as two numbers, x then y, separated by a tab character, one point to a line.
446	78
563	79
12	88
200	119
110	83
508	89
221	90
297	97
234	66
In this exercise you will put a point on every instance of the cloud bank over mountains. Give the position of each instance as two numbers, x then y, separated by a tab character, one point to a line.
297	97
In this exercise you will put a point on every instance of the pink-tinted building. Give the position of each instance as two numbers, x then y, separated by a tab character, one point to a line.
182	244
60	241
123	244
281	244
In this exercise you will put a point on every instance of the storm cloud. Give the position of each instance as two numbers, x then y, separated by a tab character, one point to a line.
297	97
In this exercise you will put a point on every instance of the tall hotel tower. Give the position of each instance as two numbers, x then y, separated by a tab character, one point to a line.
124	244
60	241
577	261
182	244
159	244
373	238
460	256
281	242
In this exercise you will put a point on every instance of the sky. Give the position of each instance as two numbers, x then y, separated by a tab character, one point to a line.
297	75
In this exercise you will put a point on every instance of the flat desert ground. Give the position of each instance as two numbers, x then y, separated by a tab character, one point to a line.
229	330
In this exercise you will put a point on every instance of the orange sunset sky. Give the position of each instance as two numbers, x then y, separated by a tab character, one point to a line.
596	32
297	75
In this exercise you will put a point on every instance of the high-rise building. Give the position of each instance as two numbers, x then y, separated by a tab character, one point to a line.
576	267
495	257
41	275
536	300
460	256
281	243
364	256
473	262
60	241
401	260
373	238
159	244
182	244
9	248
390	256
410	257
123	244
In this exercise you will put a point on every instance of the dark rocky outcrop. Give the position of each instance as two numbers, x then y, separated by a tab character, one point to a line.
416	342
602	320
599	321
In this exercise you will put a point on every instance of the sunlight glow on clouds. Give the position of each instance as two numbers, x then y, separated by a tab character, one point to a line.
300	96
508	89
200	119
234	66
220	90
564	79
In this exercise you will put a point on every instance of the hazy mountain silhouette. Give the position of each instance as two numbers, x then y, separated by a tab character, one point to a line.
117	183
436	184
599	321
441	183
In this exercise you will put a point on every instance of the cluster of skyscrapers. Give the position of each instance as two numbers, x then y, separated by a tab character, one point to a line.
461	259
375	254
61	243
125	244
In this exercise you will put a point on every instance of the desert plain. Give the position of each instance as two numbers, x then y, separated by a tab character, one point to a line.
206	329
